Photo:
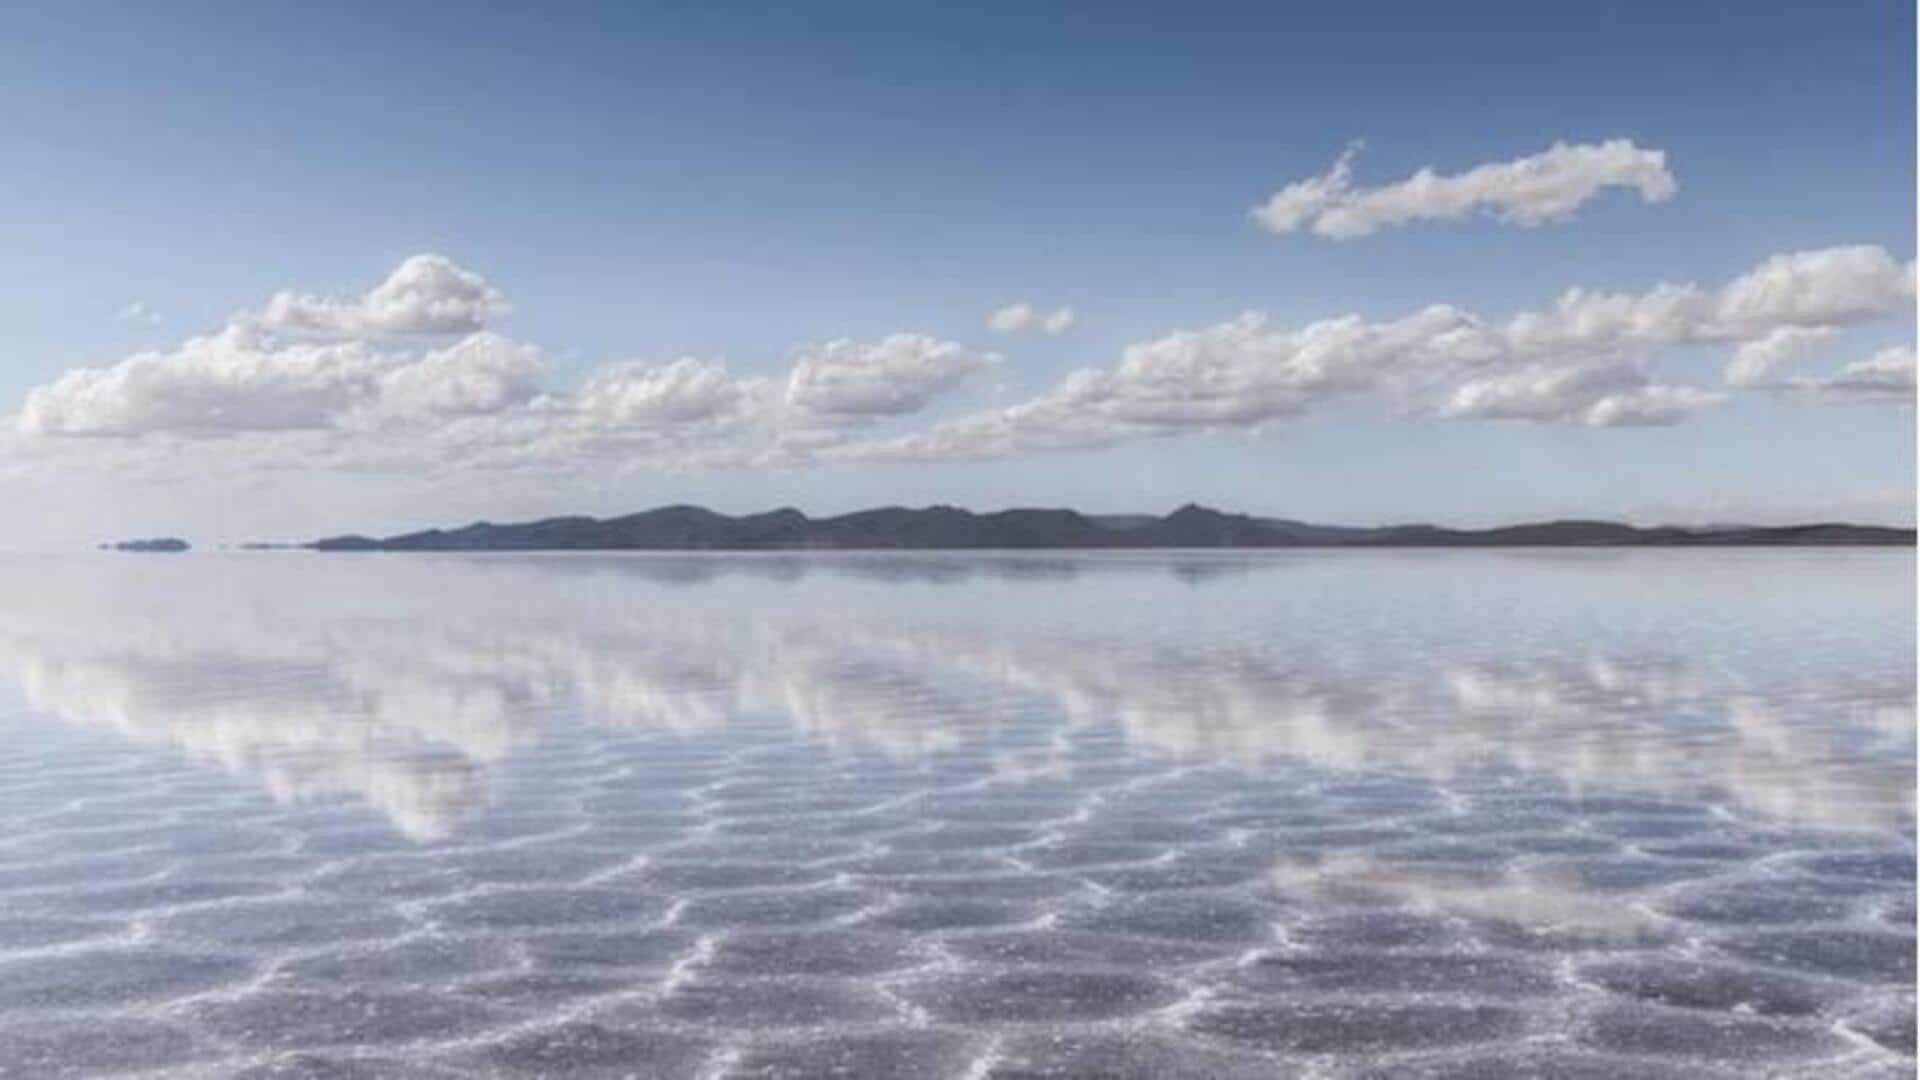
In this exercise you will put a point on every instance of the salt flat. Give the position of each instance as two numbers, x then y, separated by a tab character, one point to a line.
1152	814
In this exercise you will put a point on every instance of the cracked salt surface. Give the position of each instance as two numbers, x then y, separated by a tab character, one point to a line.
1446	814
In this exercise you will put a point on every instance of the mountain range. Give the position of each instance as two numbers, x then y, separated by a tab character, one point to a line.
683	528
155	544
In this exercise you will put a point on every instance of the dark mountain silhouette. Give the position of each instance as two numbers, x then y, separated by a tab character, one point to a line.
158	543
693	528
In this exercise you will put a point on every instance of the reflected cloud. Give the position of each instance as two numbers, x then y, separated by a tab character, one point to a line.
402	682
326	734
1516	898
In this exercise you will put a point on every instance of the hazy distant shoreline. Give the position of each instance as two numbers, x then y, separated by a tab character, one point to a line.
692	528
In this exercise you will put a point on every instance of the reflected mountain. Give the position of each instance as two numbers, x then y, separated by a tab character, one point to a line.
404	684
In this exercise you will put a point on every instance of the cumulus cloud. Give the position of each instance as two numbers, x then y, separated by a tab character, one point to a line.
1886	376
1758	362
1823	287
139	312
685	392
425	295
1591	395
1535	190
687	413
483	373
1049	423
236	380
1652	405
1568	363
242	380
899	374
1026	318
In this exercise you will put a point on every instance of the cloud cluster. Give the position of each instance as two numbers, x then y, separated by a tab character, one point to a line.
899	374
1534	190
685	393
320	384
296	394
1572	362
1023	318
1591	395
243	380
235	380
483	373
1886	376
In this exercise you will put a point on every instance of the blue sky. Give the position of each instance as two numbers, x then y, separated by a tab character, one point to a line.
640	183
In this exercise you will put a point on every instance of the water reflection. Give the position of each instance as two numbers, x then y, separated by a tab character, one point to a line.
403	683
1517	899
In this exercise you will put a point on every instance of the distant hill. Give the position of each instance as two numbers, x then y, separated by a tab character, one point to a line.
158	543
693	528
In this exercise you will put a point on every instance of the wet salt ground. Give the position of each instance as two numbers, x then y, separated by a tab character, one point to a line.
1129	820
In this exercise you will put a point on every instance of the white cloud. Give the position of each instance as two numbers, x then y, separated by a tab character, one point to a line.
1026	318
1652	405
1535	190
235	380
1823	287
1011	319
685	392
242	380
693	413
1886	376
1591	395
1758	362
1048	423
139	312
483	373
1828	287
685	414
425	294
899	374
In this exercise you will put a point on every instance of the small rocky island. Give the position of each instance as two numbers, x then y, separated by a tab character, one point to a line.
154	544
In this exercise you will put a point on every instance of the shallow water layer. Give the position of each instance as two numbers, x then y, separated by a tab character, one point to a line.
1159	815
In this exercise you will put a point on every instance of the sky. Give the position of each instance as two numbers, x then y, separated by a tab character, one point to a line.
274	273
